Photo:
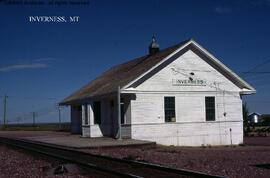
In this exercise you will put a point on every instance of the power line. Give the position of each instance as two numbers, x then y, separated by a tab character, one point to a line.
262	72
259	101
258	65
34	98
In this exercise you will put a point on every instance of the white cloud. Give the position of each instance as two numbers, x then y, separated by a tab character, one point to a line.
23	66
44	59
222	10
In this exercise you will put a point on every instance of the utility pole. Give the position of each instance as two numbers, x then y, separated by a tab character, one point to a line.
59	116
5	109
34	118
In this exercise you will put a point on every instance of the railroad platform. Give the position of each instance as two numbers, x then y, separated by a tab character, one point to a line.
65	139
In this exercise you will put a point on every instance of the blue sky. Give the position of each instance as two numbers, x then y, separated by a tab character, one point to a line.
42	63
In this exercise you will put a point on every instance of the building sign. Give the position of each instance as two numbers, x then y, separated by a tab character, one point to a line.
179	82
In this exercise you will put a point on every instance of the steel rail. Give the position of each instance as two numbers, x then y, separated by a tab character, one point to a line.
114	166
18	144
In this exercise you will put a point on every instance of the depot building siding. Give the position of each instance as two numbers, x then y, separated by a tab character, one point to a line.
178	96
190	126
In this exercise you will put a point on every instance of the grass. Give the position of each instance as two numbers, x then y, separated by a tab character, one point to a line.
39	127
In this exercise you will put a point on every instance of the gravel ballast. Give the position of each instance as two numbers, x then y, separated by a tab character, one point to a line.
17	163
233	162
229	161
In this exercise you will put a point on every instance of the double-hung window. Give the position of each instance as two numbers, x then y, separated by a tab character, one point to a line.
169	107
210	108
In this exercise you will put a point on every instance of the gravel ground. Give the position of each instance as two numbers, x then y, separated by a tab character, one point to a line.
234	162
18	164
258	141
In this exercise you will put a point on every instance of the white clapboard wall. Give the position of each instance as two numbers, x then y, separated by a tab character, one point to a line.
190	128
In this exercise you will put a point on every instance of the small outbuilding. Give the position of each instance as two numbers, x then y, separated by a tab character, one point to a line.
181	95
254	118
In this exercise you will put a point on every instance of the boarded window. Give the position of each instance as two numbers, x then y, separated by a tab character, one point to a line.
97	112
210	108
169	104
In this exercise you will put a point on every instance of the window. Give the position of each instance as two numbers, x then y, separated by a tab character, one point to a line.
169	107
210	108
85	114
97	112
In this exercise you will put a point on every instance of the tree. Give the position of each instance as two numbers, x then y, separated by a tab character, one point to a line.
245	118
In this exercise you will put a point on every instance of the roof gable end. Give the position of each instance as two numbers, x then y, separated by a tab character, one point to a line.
205	55
131	73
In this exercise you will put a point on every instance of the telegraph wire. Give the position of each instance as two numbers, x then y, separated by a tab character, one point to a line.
258	65
34	114
259	72
263	75
33	98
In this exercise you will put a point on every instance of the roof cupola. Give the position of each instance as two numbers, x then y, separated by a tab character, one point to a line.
154	46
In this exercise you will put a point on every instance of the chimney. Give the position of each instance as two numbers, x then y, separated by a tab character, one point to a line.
153	47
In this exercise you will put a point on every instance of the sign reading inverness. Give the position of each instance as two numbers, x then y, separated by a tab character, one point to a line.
188	82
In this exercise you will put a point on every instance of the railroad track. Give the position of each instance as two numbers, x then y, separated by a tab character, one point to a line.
111	166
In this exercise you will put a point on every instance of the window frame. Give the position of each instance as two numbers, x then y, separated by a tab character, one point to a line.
212	109
169	109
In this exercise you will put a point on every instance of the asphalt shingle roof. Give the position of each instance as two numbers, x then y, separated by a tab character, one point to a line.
119	75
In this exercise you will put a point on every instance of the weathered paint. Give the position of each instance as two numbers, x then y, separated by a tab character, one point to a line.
181	69
144	107
190	128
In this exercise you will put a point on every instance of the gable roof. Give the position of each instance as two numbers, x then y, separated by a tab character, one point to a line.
128	73
254	113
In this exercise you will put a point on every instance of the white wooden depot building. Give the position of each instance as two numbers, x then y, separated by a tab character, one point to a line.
181	95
